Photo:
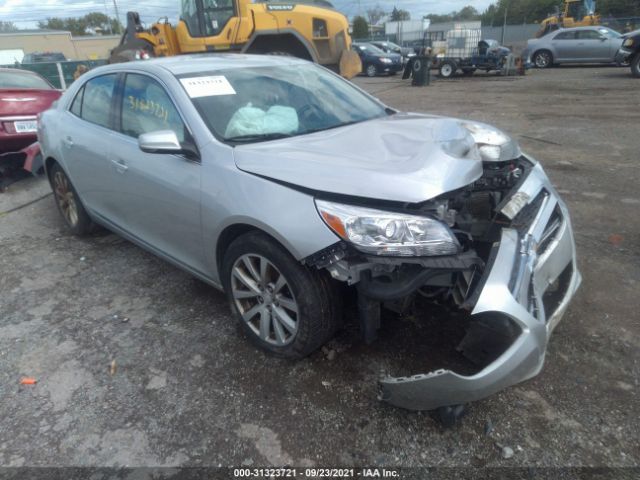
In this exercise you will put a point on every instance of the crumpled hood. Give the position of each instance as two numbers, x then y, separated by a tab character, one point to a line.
403	157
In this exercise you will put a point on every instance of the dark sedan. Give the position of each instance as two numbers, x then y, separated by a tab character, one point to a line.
23	95
375	61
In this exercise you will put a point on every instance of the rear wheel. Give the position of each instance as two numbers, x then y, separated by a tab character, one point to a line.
282	306
543	59
635	65
371	71
448	69
68	202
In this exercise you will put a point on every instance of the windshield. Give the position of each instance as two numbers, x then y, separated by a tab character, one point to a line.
22	81
372	49
256	104
607	32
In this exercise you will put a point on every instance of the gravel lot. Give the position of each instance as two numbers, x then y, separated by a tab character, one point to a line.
189	390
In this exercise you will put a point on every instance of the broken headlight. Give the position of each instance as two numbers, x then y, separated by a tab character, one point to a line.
387	233
493	144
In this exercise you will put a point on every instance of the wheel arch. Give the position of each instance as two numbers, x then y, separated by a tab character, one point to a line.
237	229
284	40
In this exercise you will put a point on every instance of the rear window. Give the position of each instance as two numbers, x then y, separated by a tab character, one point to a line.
21	80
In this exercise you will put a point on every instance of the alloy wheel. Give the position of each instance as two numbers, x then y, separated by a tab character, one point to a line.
65	197
371	71
264	299
543	59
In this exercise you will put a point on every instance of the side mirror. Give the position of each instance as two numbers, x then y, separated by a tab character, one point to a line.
166	141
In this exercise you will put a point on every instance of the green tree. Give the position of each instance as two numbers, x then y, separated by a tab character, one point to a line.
467	13
94	22
399	15
360	27
7	26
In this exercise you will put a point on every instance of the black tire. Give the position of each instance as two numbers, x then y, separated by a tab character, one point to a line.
635	65
318	305
371	70
448	69
543	59
69	203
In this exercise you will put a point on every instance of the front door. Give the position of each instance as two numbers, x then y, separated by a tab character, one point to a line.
161	192
594	47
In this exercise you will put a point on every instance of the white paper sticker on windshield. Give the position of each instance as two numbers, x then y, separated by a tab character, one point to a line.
207	86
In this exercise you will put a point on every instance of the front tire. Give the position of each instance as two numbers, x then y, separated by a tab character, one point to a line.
543	59
635	65
371	71
68	202
282	306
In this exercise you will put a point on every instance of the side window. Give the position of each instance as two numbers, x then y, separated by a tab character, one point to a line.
147	108
96	100
76	105
565	36
190	16
588	35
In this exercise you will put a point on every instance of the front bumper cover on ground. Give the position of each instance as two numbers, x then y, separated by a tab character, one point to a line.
529	284
29	158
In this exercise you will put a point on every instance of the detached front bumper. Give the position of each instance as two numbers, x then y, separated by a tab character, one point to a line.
527	286
28	158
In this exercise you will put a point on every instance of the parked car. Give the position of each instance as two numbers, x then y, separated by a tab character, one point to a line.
574	45
23	95
43	57
630	52
377	62
390	47
284	185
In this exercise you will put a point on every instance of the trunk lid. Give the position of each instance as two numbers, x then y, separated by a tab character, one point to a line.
25	102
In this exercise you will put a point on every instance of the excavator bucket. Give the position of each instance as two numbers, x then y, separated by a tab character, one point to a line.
350	64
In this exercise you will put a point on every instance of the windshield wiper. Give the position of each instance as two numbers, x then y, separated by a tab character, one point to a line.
257	137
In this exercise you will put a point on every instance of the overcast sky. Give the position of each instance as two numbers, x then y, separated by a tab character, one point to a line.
26	13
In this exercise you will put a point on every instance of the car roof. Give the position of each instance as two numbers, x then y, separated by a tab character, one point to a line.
202	62
20	70
577	29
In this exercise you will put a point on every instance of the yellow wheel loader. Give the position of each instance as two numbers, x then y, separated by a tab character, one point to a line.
309	31
576	13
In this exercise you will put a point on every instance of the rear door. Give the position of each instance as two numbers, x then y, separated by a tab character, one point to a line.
565	46
87	144
161	192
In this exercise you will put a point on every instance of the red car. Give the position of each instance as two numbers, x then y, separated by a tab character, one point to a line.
23	95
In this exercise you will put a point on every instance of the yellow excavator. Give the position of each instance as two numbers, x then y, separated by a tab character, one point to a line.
575	13
309	29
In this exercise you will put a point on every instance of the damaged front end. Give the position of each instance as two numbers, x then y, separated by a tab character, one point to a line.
503	251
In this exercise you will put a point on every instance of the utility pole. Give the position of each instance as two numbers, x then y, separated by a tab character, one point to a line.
106	11
115	5
504	24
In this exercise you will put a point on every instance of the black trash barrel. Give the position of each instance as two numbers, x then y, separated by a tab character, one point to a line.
421	71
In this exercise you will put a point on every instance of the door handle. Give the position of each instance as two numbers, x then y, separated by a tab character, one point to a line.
120	164
68	142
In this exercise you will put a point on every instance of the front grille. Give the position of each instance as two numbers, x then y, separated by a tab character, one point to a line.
527	215
551	230
557	291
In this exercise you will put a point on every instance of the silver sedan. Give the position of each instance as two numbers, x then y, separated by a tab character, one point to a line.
284	185
574	45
